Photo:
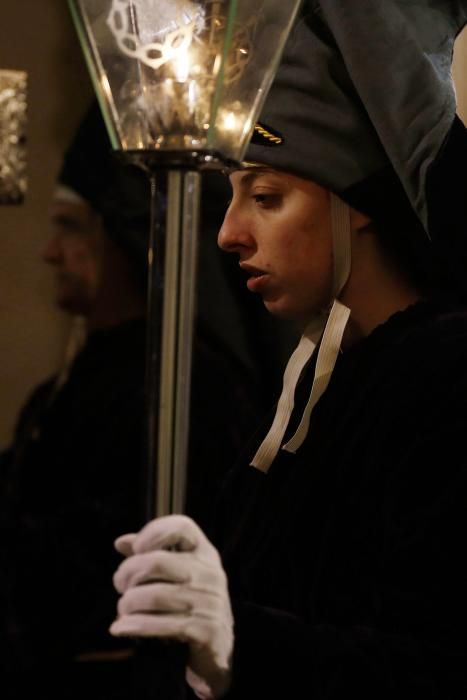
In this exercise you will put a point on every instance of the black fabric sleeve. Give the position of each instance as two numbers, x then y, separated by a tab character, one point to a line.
411	641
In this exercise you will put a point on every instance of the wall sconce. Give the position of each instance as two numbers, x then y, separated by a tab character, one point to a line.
13	181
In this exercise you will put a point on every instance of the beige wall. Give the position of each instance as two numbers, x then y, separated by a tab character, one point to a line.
460	74
36	36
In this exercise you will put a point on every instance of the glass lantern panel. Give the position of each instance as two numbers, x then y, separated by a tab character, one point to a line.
181	75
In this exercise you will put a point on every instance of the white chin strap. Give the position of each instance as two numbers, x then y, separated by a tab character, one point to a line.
330	327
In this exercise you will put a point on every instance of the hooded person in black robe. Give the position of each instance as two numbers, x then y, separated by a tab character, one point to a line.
338	563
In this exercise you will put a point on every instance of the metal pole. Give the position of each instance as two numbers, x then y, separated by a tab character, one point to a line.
153	348
186	313
168	366
172	258
171	309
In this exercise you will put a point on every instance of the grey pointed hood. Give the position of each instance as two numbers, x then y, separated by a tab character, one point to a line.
364	104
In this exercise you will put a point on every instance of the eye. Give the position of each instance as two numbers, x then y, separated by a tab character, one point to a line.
267	200
66	224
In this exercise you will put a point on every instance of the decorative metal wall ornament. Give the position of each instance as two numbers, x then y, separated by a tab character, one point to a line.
13	115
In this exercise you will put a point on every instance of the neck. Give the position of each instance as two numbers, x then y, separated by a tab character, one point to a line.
375	291
361	324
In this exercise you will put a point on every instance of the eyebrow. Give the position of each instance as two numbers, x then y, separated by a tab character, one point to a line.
249	175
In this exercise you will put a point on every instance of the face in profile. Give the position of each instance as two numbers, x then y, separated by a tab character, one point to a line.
74	250
280	227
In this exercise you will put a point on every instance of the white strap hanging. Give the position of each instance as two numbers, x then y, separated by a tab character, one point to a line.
327	356
271	444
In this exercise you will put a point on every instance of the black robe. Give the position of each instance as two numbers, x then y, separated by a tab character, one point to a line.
346	561
73	481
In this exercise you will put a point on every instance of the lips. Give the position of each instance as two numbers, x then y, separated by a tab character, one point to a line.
256	277
252	271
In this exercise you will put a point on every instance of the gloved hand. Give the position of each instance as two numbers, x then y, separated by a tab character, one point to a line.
173	586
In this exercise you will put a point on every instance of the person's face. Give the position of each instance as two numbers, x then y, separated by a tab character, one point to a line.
280	227
73	250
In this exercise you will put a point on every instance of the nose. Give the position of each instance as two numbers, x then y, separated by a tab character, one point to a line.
235	233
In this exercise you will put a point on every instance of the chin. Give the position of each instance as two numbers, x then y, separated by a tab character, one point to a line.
280	310
299	317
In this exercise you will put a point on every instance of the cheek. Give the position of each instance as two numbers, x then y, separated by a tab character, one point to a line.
308	250
79	254
310	267
282	244
82	268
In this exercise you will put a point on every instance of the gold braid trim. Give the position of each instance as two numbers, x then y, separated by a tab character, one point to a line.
267	134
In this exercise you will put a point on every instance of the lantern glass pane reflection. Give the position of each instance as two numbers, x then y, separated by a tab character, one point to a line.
182	75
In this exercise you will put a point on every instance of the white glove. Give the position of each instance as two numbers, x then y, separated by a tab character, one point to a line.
179	595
